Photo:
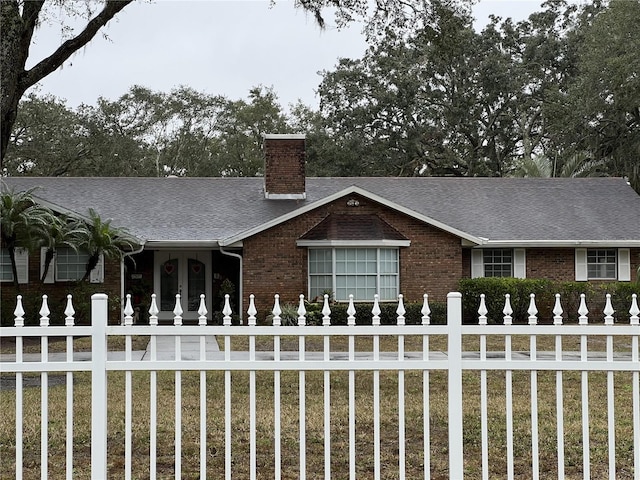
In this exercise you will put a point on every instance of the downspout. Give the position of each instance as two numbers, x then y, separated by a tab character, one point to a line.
122	299
239	257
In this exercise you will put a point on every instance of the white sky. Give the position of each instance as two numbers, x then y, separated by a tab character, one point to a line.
217	47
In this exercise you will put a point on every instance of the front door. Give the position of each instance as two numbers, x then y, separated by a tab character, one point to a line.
186	273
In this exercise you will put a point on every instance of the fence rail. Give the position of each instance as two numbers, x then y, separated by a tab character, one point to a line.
379	385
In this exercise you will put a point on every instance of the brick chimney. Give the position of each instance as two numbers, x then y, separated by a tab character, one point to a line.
284	157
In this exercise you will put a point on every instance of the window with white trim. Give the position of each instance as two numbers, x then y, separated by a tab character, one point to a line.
361	272
601	263
70	265
498	262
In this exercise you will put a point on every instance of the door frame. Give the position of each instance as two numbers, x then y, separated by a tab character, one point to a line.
161	256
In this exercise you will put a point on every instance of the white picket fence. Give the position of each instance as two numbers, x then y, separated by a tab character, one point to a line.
456	361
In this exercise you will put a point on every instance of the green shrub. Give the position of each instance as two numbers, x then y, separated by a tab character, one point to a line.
494	290
363	315
545	291
388	315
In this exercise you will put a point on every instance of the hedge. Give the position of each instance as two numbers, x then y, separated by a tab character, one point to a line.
545	291
388	315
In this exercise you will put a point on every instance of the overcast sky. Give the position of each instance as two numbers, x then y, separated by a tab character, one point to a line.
217	47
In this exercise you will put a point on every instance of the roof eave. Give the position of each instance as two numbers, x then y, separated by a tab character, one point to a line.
353	243
168	244
562	243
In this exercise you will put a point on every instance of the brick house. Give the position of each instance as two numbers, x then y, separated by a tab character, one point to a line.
288	234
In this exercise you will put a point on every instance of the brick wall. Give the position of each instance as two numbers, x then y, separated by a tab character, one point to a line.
284	165
274	264
556	264
57	295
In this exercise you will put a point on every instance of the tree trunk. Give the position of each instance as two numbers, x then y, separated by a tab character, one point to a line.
14	269
17	31
47	262
91	264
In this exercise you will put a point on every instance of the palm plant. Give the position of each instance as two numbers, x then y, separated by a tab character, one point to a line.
23	223
101	238
541	166
63	232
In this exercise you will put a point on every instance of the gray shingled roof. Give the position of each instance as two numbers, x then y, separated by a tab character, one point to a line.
521	210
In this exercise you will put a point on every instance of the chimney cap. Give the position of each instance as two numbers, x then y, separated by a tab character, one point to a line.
284	136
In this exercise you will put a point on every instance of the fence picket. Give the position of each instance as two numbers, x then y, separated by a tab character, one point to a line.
177	321
400	311
375	322
609	320
584	386
153	392
19	323
276	392
69	321
251	311
202	321
507	321
484	423
351	321
535	456
634	320
426	424
44	393
128	392
557	320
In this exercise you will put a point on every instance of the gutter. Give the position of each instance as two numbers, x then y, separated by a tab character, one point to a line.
122	299
239	257
562	243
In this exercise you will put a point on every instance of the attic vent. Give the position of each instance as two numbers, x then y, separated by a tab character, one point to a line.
284	175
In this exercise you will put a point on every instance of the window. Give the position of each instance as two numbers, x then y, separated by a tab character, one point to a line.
361	272
498	262
601	263
6	275
22	265
70	265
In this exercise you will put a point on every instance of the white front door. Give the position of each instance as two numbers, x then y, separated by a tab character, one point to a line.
186	273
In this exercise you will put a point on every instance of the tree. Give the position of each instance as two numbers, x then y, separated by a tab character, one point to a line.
22	223
600	112
101	238
237	149
440	101
19	20
46	140
49	139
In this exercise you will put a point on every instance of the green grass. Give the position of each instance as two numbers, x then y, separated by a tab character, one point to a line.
339	421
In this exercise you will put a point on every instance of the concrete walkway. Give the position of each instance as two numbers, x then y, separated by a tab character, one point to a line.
189	347
165	350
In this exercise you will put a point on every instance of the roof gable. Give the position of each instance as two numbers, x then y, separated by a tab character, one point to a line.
353	189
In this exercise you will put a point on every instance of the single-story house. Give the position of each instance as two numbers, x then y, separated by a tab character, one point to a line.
289	234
